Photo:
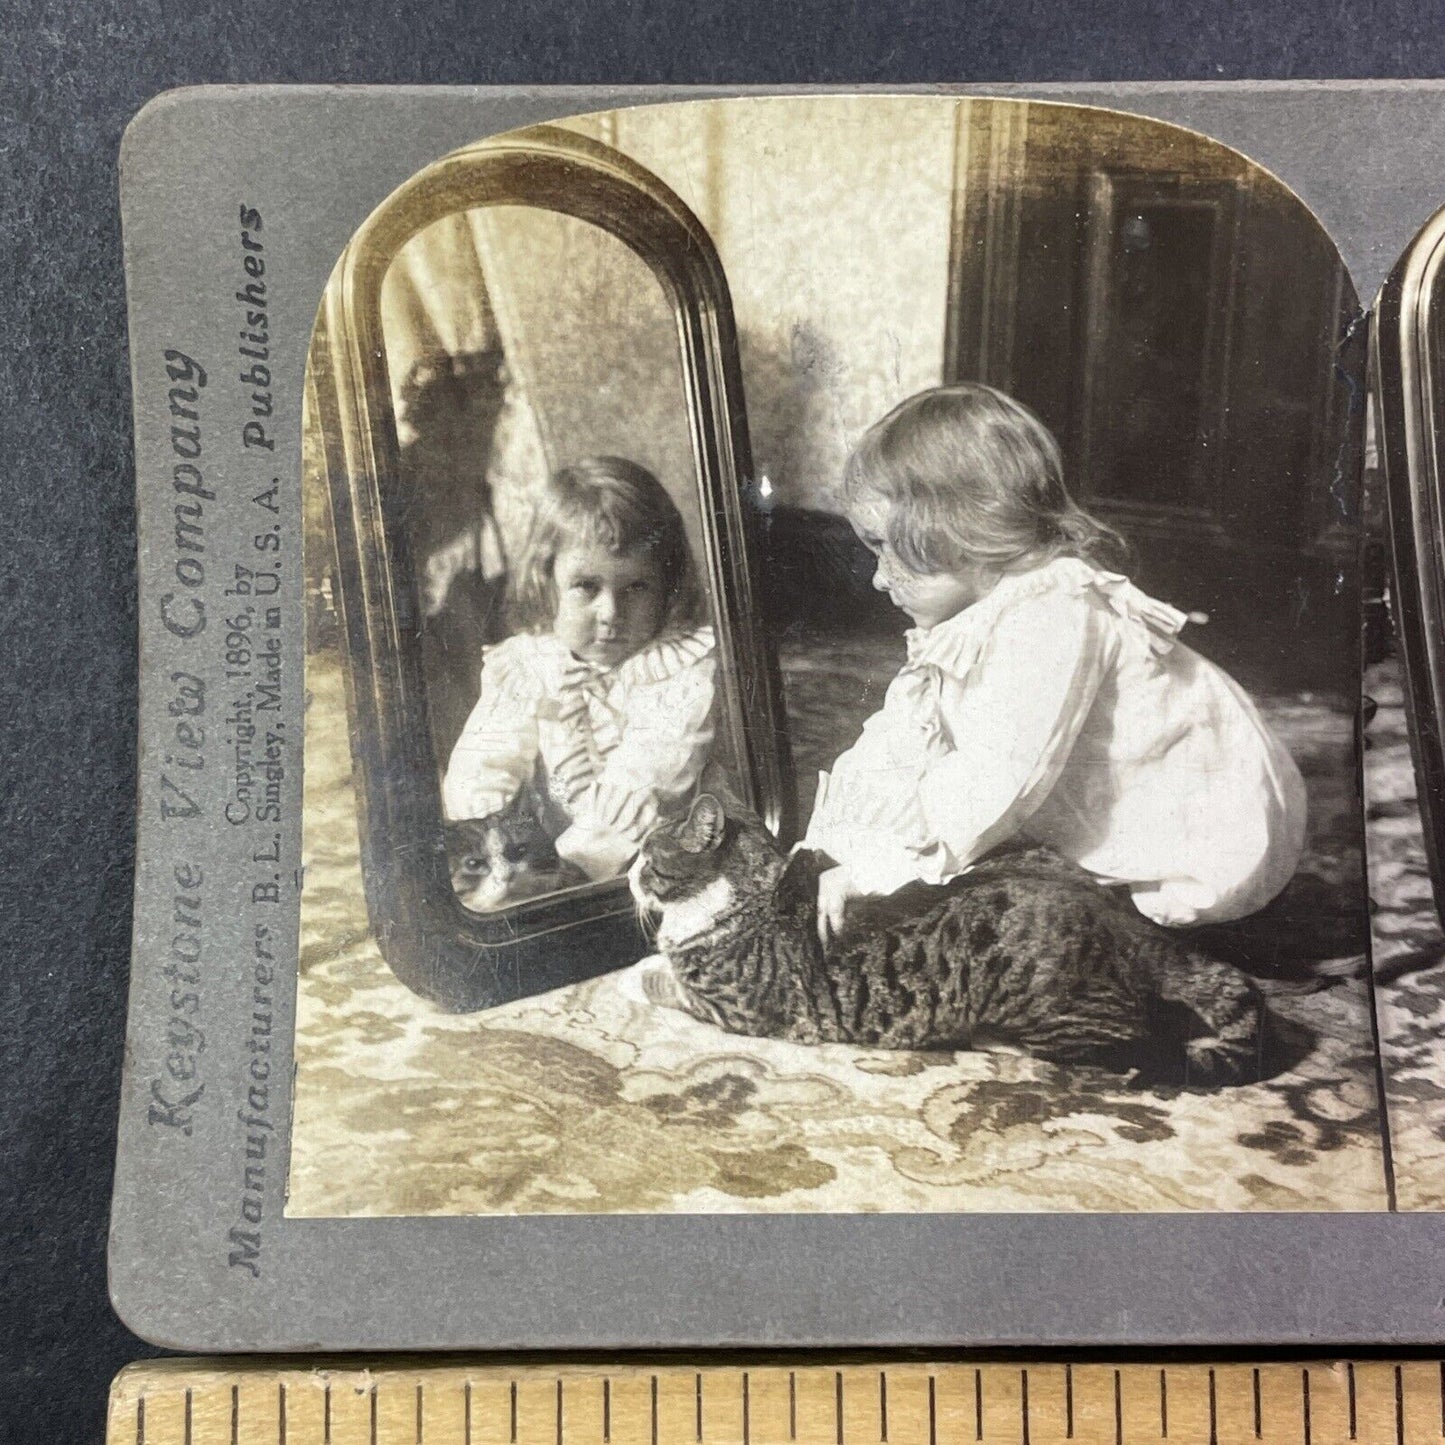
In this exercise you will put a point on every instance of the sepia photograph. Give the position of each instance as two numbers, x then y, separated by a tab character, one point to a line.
833	656
1404	685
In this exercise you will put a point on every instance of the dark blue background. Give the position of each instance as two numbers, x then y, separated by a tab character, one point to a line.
71	76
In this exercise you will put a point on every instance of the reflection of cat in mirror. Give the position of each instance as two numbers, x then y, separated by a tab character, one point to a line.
506	857
1025	950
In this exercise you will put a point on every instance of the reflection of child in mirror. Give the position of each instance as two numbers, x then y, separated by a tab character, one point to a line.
1044	695
608	698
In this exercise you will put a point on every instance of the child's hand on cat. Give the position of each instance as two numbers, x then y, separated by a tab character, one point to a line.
835	888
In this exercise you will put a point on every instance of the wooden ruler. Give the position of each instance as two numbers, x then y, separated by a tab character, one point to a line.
199	1402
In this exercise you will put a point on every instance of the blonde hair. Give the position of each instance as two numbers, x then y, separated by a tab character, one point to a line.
973	477
615	504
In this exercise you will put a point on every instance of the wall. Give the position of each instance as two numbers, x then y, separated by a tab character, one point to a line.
870	258
839	292
833	231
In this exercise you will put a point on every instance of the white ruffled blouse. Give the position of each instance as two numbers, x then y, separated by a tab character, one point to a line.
1061	707
620	746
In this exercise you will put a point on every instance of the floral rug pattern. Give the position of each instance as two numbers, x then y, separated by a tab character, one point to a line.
1409	953
591	1099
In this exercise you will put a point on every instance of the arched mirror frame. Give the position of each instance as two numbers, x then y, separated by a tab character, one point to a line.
1408	376
457	958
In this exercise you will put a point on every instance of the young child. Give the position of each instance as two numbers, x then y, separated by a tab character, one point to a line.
1044	695
607	697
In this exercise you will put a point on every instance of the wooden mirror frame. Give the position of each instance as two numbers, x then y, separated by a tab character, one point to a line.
438	948
1408	391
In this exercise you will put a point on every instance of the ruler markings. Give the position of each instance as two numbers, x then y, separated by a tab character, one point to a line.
726	1406
855	1403
1135	1404
913	1417
1195	1408
1048	1405
256	1411
539	1399
1369	1402
298	1402
186	1410
1094	1419
629	1409
998	1406
1369	1387
451	1413
1421	1383
593	1410
1314	1403
1278	1414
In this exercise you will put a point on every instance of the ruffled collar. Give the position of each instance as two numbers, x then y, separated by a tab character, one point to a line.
953	645
667	656
660	659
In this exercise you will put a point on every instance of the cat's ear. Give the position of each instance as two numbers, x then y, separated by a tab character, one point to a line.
705	825
798	883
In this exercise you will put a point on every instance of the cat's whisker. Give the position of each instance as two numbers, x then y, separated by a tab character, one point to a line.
648	918
648	912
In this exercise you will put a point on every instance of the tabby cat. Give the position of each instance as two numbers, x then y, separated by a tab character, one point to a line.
507	856
1024	950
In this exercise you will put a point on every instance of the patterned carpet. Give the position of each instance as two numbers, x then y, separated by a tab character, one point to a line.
1409	954
590	1099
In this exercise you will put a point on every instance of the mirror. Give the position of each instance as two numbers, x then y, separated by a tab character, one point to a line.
552	510
524	398
1408	398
